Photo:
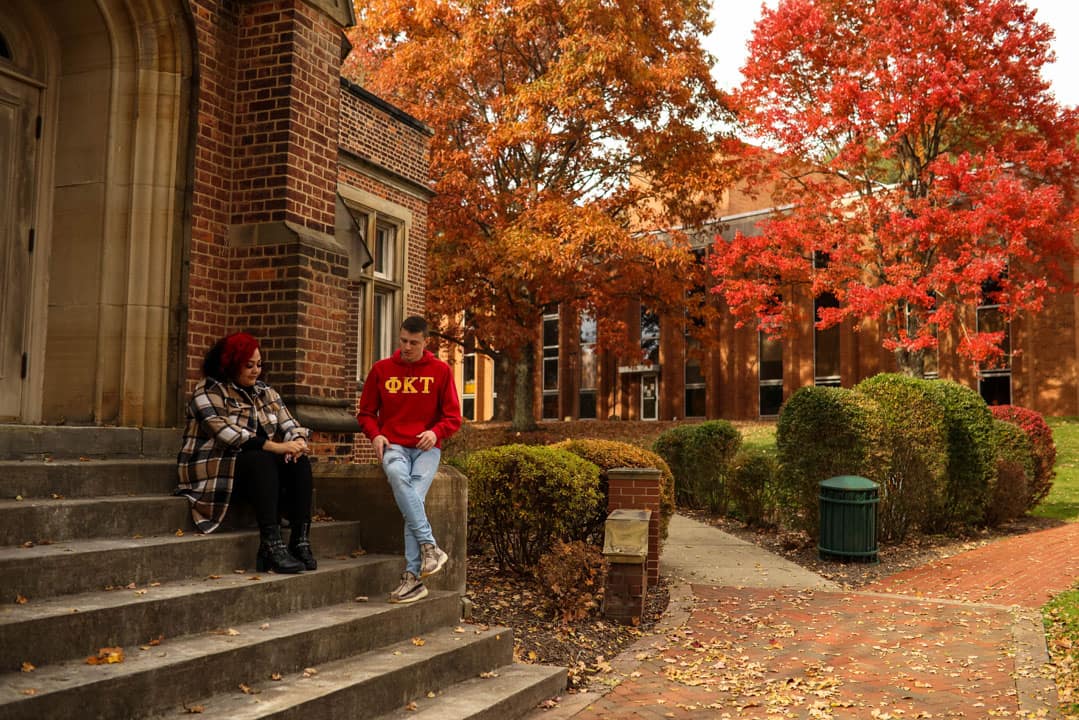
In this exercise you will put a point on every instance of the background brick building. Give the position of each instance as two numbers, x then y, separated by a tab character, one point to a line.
181	169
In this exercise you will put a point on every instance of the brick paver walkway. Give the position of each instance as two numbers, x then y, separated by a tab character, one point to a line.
1025	570
950	640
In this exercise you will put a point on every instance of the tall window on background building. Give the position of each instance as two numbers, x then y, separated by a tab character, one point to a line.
650	336
588	379
995	381
550	362
931	358
468	390
694	379
376	275
770	374
825	345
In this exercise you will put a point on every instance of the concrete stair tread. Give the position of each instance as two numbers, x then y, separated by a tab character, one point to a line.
93	545
91	477
525	685
214	649
207	586
269	697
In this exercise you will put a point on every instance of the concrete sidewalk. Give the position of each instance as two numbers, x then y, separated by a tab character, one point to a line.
750	635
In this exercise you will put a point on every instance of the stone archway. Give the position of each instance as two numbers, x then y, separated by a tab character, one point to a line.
112	180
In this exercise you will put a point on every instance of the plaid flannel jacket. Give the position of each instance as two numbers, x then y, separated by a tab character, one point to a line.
221	417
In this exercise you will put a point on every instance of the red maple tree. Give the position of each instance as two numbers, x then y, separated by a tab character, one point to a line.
922	164
560	129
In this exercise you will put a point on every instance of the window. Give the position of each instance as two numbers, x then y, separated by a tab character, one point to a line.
930	358
694	378
587	389
649	396
375	274
468	395
995	381
825	345
770	374
649	336
550	362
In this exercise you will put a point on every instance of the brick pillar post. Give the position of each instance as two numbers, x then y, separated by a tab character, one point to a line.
638	489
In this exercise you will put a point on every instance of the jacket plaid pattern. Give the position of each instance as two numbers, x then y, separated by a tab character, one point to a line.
221	417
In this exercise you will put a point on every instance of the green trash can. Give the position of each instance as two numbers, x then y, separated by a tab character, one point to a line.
848	519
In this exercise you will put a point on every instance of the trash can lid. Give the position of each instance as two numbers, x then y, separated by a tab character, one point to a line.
849	482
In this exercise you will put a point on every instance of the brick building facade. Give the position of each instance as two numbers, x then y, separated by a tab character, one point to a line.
188	168
745	375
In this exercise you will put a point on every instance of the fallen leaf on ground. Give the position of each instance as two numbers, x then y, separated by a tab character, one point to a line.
106	656
28	667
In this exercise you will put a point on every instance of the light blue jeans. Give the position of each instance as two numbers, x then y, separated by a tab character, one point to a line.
410	472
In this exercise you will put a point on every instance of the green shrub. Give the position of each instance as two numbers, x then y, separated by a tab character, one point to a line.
823	432
700	455
969	428
524	498
574	574
608	454
1042	446
914	480
752	485
1010	487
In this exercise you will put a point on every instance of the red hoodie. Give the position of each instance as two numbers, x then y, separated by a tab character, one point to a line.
401	399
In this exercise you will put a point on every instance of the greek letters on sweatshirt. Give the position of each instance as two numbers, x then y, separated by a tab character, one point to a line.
401	399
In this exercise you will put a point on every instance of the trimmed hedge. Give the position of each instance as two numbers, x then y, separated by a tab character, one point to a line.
1042	446
608	454
700	456
912	485
823	432
1014	466
523	498
969	429
752	486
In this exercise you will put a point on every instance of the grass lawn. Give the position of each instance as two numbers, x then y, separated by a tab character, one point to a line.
1062	503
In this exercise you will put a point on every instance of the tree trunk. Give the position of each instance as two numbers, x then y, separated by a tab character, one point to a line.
523	415
504	388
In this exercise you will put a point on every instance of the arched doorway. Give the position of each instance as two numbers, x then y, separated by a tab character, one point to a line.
94	115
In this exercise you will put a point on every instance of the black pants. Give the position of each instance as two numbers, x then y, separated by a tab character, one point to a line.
274	487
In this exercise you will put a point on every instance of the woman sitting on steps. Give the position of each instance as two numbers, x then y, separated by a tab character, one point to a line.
240	438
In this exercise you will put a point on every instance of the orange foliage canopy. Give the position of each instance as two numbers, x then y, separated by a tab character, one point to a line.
925	159
548	115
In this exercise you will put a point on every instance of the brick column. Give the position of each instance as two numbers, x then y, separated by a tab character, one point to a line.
638	489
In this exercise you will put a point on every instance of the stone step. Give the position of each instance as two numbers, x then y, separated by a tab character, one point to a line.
54	521
87	478
28	442
508	692
371	683
90	565
76	626
177	672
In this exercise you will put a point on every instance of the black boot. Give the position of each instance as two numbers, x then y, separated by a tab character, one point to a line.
273	555
300	546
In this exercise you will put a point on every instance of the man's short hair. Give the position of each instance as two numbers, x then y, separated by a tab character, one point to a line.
415	324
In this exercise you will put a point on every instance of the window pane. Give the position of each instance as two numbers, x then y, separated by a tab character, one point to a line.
386	250
588	405
550	332
695	402
550	374
588	329
588	367
996	388
771	358
826	345
550	407
468	408
384	325
771	399
991	319
648	397
650	336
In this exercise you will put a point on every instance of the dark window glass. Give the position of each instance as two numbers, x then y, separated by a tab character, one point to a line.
650	336
695	402
771	399
468	408
550	332
588	405
996	388
550	407
771	358
826	345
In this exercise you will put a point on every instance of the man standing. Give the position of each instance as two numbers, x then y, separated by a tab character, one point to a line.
408	406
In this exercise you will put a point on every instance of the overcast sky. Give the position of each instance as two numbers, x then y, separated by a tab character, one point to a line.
734	19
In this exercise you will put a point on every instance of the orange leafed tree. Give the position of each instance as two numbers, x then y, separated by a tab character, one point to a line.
561	129
927	165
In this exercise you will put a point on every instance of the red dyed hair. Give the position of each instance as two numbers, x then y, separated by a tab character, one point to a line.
237	350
